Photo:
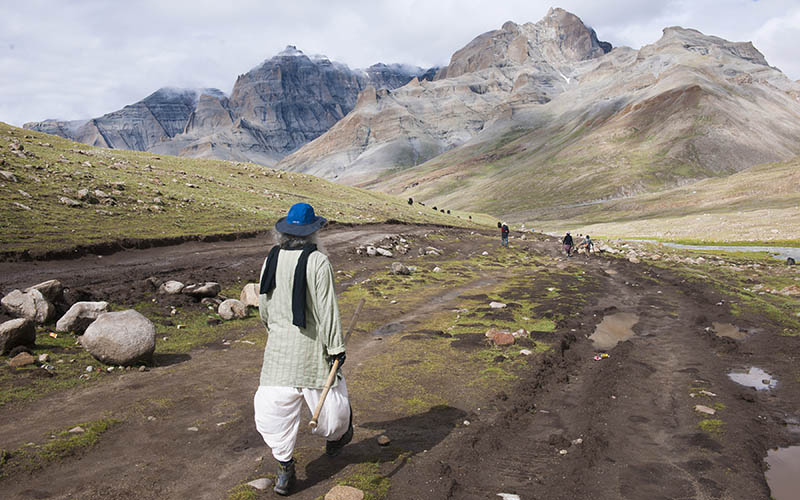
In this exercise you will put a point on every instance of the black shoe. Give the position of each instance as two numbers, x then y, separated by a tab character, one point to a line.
333	448
285	480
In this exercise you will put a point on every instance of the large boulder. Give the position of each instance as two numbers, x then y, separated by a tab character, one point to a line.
80	316
232	308
16	332
250	294
120	338
31	305
200	290
52	290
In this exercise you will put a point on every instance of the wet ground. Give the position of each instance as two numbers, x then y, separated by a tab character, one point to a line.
565	427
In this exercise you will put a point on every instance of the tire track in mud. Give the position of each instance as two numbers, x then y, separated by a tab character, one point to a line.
633	412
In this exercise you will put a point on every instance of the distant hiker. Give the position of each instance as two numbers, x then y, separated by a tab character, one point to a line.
411	201
790	261
297	304
567	241
588	244
504	235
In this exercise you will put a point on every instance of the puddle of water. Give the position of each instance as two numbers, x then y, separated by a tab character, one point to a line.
728	330
753	377
778	252
613	330
783	475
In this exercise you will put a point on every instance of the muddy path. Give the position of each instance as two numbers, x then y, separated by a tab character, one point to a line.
566	427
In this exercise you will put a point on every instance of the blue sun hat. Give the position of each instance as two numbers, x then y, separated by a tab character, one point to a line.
300	221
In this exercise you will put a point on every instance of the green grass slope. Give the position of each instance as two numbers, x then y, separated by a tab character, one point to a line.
145	196
758	204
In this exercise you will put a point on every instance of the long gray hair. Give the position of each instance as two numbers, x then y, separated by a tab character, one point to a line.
292	242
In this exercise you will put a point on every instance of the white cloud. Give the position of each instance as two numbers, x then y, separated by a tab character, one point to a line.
83	58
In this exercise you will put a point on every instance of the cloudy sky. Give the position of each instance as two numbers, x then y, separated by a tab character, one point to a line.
76	59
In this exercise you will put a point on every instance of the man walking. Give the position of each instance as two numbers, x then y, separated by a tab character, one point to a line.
504	235
567	241
297	304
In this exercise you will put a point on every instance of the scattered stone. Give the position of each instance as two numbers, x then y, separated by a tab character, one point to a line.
77	430
249	295
508	496
526	352
78	318
577	441
142	369
171	287
21	206
790	291
110	369
261	483
497	305
22	359
437	269
200	290
340	492
89	369
231	309
121	338
485	253
8	176
44	358
384	440
704	409
400	268
69	202
503	339
151	418
521	333
52	290
16	332
563	452
384	252
633	260
707	393
192	429
491	332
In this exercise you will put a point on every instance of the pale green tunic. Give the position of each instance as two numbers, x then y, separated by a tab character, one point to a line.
296	357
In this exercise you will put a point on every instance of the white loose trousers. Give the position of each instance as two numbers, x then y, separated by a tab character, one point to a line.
277	415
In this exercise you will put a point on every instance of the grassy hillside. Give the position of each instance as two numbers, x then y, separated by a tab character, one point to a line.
759	204
147	196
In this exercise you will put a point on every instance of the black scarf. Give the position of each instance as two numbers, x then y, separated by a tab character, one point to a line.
300	283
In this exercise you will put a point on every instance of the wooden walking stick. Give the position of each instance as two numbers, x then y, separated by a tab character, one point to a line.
332	375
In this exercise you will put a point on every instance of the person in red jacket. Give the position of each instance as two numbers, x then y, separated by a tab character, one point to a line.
504	235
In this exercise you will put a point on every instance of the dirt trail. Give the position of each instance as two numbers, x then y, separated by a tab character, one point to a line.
633	411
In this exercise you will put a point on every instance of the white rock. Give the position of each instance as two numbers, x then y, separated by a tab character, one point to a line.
497	305
485	253
31	305
508	496
249	295
192	429
232	308
563	452
526	352
16	332
437	269
80	316
52	290
77	430
171	287
89	369
261	483
400	268
200	290
384	252
121	338
341	492
704	409
44	358
371	251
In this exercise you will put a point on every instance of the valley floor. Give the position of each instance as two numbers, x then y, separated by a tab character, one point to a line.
466	419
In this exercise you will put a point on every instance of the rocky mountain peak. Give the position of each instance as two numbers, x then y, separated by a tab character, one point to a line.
678	39
557	39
